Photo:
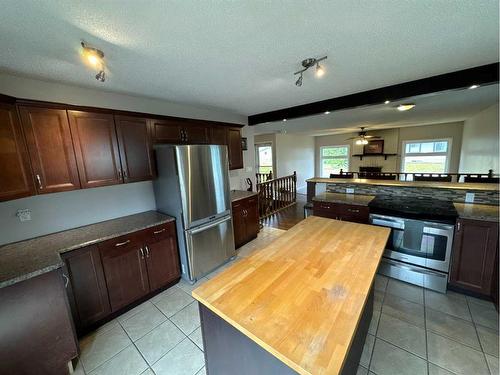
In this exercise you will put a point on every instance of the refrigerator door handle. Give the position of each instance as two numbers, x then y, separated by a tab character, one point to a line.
211	225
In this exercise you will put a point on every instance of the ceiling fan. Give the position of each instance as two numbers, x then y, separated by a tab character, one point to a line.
362	138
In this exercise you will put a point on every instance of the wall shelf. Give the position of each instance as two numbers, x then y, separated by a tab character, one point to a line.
361	156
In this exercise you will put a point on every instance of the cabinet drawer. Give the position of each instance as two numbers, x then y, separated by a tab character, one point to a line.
115	245
158	232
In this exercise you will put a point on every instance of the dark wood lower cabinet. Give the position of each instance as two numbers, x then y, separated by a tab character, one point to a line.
124	264
36	331
475	251
246	221
107	278
89	293
340	211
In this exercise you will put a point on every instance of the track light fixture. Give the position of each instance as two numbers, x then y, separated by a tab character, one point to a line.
308	63
95	58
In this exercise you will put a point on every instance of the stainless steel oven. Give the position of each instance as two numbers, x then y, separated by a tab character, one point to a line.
417	251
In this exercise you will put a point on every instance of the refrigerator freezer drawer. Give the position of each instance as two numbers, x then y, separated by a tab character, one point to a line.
209	246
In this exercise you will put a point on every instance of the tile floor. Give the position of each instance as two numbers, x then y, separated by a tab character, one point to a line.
413	331
161	336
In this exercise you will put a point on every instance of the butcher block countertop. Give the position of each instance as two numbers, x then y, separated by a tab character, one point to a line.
415	184
301	297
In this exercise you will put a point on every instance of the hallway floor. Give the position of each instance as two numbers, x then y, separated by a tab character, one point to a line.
288	217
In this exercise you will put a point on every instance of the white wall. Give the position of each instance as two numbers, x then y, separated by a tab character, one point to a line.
295	153
393	139
60	211
480	144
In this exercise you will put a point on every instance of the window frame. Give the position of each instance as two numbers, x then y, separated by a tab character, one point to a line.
404	154
321	157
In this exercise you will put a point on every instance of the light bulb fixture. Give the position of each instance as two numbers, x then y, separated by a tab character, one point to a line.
472	87
308	63
327	112
405	107
387	102
284	119
95	58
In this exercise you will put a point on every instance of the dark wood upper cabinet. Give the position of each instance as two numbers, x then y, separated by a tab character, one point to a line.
235	149
50	147
196	133
124	264
88	285
16	179
162	257
475	249
96	148
218	135
167	131
136	153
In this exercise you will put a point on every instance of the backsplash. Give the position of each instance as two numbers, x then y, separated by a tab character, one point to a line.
480	196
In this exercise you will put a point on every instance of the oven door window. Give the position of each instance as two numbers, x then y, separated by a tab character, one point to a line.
422	245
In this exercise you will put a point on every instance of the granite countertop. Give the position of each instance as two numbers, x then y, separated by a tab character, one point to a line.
356	199
26	259
427	184
477	211
236	195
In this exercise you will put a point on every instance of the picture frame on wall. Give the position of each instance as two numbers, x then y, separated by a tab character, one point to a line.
244	144
375	147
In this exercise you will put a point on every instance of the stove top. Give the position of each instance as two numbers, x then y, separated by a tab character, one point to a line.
414	208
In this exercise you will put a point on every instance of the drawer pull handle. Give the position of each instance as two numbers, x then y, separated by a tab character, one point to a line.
147	251
142	253
122	243
159	231
352	210
66	280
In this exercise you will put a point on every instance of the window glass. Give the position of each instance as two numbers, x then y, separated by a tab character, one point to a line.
333	159
426	156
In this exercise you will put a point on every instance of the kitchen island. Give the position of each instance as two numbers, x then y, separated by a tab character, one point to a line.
302	304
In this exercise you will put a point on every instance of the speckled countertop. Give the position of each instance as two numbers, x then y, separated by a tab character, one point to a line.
26	259
477	211
241	194
356	199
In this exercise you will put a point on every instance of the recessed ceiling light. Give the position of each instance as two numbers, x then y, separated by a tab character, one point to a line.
284	119
387	102
405	107
327	112
473	87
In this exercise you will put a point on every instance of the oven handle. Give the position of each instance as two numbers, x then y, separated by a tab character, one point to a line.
388	223
413	269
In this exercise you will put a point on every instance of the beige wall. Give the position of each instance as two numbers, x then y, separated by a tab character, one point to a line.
393	139
480	144
295	153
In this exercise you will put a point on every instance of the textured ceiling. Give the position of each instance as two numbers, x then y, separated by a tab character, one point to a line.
449	106
241	55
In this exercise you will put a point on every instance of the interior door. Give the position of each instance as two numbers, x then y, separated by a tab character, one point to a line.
96	148
204	183
136	153
16	179
50	146
124	265
209	246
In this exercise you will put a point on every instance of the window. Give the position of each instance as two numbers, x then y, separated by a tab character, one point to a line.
333	159
264	157
430	156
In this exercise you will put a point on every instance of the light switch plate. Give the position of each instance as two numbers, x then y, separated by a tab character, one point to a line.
24	215
349	190
469	197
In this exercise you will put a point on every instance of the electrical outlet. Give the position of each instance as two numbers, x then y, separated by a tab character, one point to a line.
349	190
24	215
469	197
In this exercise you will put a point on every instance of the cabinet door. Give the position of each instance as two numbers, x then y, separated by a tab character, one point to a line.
96	148
88	285
474	251
218	135
50	146
252	218
239	226
167	131
234	148
196	133
136	154
162	257
16	179
124	266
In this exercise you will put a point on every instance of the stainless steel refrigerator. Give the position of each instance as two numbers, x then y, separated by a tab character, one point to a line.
193	186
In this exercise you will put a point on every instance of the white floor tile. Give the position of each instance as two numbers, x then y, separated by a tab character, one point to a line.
173	302
143	322
188	319
185	359
159	341
128	361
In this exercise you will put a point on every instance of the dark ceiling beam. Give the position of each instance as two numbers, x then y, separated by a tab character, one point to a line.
481	75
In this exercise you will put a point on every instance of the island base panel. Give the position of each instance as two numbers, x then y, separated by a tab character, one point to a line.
228	350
